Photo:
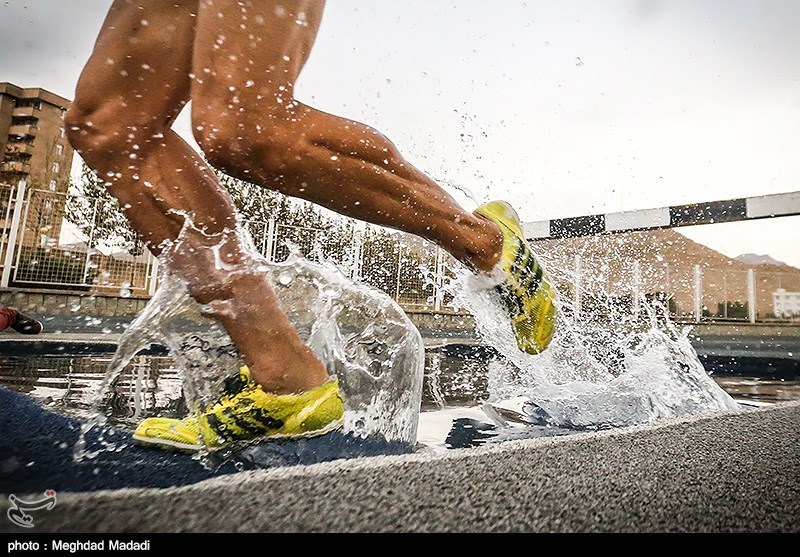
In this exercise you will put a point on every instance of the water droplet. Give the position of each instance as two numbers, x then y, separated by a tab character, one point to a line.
125	290
286	278
330	290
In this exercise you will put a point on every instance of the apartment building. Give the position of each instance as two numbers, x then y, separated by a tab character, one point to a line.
785	304
34	147
33	143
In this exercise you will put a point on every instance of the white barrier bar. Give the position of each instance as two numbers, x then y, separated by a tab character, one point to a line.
767	206
731	210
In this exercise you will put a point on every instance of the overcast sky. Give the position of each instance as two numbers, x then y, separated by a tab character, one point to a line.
565	107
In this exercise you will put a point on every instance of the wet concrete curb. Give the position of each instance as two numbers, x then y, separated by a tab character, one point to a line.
60	343
729	472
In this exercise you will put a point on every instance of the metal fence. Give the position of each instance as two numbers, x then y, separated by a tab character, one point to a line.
57	241
694	292
41	249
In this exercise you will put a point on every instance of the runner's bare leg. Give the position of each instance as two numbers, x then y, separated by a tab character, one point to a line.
131	90
249	125
248	55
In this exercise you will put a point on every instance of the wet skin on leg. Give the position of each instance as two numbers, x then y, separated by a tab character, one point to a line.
131	90
238	62
249	124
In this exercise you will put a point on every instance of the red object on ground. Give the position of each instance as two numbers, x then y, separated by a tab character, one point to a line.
10	317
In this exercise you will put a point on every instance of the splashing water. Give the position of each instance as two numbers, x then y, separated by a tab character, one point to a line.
364	338
459	188
607	370
622	368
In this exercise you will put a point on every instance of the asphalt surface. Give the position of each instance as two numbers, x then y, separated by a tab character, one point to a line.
729	472
711	473
37	448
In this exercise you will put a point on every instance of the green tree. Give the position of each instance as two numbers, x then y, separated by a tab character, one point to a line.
98	215
735	310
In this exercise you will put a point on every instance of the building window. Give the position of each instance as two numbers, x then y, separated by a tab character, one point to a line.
59	149
19	140
25	121
53	185
29	103
56	167
63	132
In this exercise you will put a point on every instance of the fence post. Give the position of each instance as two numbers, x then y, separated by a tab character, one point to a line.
264	236
14	231
670	294
438	280
358	245
153	279
399	272
698	293
577	286
271	231
6	218
725	294
637	286
90	243
751	295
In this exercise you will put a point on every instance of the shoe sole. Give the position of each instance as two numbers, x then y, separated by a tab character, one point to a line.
166	443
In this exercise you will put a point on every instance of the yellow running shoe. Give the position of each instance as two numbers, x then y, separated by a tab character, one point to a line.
249	414
527	292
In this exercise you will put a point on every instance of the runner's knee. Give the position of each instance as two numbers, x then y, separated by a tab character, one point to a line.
89	130
100	131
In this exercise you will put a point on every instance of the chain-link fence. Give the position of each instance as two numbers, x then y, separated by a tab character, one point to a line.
699	292
57	241
43	249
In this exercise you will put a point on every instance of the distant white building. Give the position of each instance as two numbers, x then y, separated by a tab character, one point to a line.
785	304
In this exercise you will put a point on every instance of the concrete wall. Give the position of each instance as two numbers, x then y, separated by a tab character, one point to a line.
444	324
51	304
57	304
763	338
